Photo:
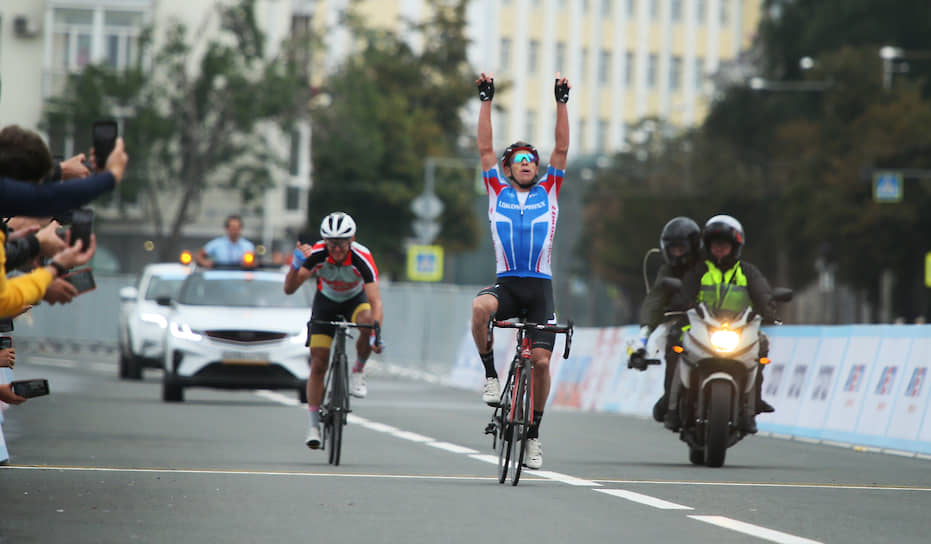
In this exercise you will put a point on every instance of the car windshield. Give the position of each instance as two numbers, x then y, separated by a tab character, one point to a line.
244	289
163	286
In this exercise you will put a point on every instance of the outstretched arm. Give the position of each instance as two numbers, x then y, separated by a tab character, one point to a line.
561	151
486	87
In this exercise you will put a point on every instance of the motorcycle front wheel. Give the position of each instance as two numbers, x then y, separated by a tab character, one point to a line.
717	425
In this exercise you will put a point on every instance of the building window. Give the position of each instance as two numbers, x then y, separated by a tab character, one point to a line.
560	56
604	67
584	6
631	9
582	135
294	159
699	75
605	8
602	142
628	69
652	63
700	11
292	198
725	11
505	54
675	10
77	41
583	63
654	9
530	128
532	54
675	73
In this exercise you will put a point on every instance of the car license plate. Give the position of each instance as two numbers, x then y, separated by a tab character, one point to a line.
245	358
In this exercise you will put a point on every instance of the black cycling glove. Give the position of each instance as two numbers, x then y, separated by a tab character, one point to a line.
486	89
562	92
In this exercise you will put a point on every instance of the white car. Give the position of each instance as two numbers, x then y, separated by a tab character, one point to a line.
236	329
143	321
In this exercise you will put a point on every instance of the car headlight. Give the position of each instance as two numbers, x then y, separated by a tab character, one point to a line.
183	331
300	338
725	340
156	319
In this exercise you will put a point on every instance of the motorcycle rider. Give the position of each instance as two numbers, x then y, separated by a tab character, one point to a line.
724	281
680	245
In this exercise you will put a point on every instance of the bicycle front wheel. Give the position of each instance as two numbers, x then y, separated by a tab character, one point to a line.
521	423
504	434
339	408
336	436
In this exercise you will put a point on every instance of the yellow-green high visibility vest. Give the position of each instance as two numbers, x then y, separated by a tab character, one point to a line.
724	290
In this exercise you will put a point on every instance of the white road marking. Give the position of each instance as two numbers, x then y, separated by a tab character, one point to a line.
564	478
761	484
493	459
452	447
277	397
644	499
755	530
413	437
249	472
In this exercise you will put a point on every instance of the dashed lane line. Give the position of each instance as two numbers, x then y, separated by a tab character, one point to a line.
755	530
644	499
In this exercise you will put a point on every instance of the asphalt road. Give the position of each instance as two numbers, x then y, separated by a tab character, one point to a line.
104	460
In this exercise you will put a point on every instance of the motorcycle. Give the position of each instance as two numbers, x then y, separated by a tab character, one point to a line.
714	382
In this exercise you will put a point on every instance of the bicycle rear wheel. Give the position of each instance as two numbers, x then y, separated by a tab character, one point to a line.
504	433
521	423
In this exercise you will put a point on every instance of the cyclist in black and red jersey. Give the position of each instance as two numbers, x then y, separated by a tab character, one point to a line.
522	209
347	285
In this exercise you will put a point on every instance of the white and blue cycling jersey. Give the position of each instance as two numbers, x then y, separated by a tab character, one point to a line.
522	229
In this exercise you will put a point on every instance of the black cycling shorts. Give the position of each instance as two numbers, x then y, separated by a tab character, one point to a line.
529	298
321	336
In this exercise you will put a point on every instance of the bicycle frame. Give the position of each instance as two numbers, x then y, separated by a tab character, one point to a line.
334	412
513	416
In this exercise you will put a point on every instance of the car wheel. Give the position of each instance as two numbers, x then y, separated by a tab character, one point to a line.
133	368
171	390
124	365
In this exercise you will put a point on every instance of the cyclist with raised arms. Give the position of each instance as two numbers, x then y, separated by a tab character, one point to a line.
347	285
522	210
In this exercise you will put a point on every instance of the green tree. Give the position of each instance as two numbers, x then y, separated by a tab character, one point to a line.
392	107
198	114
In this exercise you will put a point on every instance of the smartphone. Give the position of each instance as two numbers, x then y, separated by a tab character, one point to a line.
82	280
82	225
104	134
30	388
6	342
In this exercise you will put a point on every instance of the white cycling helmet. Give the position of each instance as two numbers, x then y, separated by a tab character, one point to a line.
338	225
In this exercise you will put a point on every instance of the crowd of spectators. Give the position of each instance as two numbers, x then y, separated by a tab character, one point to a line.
36	251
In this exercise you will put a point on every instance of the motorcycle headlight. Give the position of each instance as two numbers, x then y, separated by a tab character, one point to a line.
725	340
183	330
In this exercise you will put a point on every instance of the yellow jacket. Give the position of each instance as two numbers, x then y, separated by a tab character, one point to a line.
21	291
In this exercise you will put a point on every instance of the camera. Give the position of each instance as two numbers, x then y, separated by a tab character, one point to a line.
82	225
82	280
104	135
30	388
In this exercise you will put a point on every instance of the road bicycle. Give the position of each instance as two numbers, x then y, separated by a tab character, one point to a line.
513	416
335	408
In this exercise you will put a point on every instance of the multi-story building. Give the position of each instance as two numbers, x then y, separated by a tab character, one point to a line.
626	59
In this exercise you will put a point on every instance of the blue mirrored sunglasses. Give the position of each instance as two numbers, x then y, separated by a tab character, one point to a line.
523	156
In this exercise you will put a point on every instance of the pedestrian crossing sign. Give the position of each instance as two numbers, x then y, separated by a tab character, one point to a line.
887	186
425	263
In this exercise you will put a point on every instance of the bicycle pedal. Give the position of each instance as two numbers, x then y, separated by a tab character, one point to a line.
491	428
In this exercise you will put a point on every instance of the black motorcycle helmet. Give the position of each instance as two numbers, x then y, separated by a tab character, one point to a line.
724	227
680	231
